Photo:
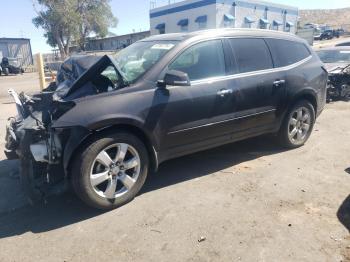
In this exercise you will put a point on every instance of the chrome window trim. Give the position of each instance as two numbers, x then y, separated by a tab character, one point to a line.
238	75
253	73
222	121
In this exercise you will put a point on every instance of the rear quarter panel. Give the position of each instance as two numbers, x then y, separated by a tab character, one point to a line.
308	79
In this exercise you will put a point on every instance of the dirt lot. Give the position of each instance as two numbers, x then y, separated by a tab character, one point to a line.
248	201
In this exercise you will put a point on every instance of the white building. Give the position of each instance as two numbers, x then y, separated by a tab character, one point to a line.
192	15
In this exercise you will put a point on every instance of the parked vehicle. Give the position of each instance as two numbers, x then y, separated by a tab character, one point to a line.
325	35
341	31
108	123
337	63
10	66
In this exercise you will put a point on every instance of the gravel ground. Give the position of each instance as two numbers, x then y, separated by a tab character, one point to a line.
248	201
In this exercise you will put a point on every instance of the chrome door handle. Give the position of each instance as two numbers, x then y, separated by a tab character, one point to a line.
224	92
279	82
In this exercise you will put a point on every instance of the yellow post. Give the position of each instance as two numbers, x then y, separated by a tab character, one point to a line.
40	67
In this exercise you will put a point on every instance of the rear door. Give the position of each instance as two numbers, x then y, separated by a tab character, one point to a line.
258	88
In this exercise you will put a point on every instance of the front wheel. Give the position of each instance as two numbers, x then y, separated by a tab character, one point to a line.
297	125
110	171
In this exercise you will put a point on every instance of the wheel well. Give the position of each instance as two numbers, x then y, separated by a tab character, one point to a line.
120	127
309	97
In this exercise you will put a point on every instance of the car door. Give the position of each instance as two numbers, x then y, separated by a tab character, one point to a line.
257	88
186	120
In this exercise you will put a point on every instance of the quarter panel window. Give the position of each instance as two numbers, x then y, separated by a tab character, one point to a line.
286	52
203	60
251	54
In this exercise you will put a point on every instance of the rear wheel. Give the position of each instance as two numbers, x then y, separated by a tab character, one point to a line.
110	171
297	125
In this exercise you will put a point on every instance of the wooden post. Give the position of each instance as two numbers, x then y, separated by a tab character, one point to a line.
40	67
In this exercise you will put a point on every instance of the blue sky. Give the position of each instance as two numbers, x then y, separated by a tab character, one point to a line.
132	15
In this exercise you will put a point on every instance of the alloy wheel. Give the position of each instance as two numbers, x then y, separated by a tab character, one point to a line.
115	170
299	125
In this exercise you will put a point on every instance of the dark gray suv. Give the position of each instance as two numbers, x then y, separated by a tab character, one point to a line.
109	121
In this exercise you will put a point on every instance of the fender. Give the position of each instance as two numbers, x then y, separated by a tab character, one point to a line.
108	121
307	93
78	135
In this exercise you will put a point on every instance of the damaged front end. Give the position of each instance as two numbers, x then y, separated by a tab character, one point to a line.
43	149
30	137
338	83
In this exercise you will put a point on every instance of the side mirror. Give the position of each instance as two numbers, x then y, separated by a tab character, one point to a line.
175	78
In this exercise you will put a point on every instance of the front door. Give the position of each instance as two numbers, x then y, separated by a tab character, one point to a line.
186	120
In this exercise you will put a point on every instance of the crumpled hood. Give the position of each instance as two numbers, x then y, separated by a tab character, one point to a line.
74	66
71	70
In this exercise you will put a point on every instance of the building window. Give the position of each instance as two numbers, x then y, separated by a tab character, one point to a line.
229	20
289	26
202	22
183	23
276	24
202	25
161	28
264	23
249	21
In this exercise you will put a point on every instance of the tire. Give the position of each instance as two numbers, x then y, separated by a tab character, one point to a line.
6	71
92	163
301	124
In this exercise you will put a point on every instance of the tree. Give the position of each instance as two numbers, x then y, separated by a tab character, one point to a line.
94	16
65	21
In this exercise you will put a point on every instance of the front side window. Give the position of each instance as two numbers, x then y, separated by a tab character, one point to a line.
251	54
139	57
286	52
201	61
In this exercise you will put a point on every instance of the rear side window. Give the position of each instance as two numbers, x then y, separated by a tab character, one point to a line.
286	52
203	60
251	54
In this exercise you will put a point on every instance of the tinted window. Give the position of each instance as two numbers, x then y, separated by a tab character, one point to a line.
201	61
334	56
286	52
251	54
